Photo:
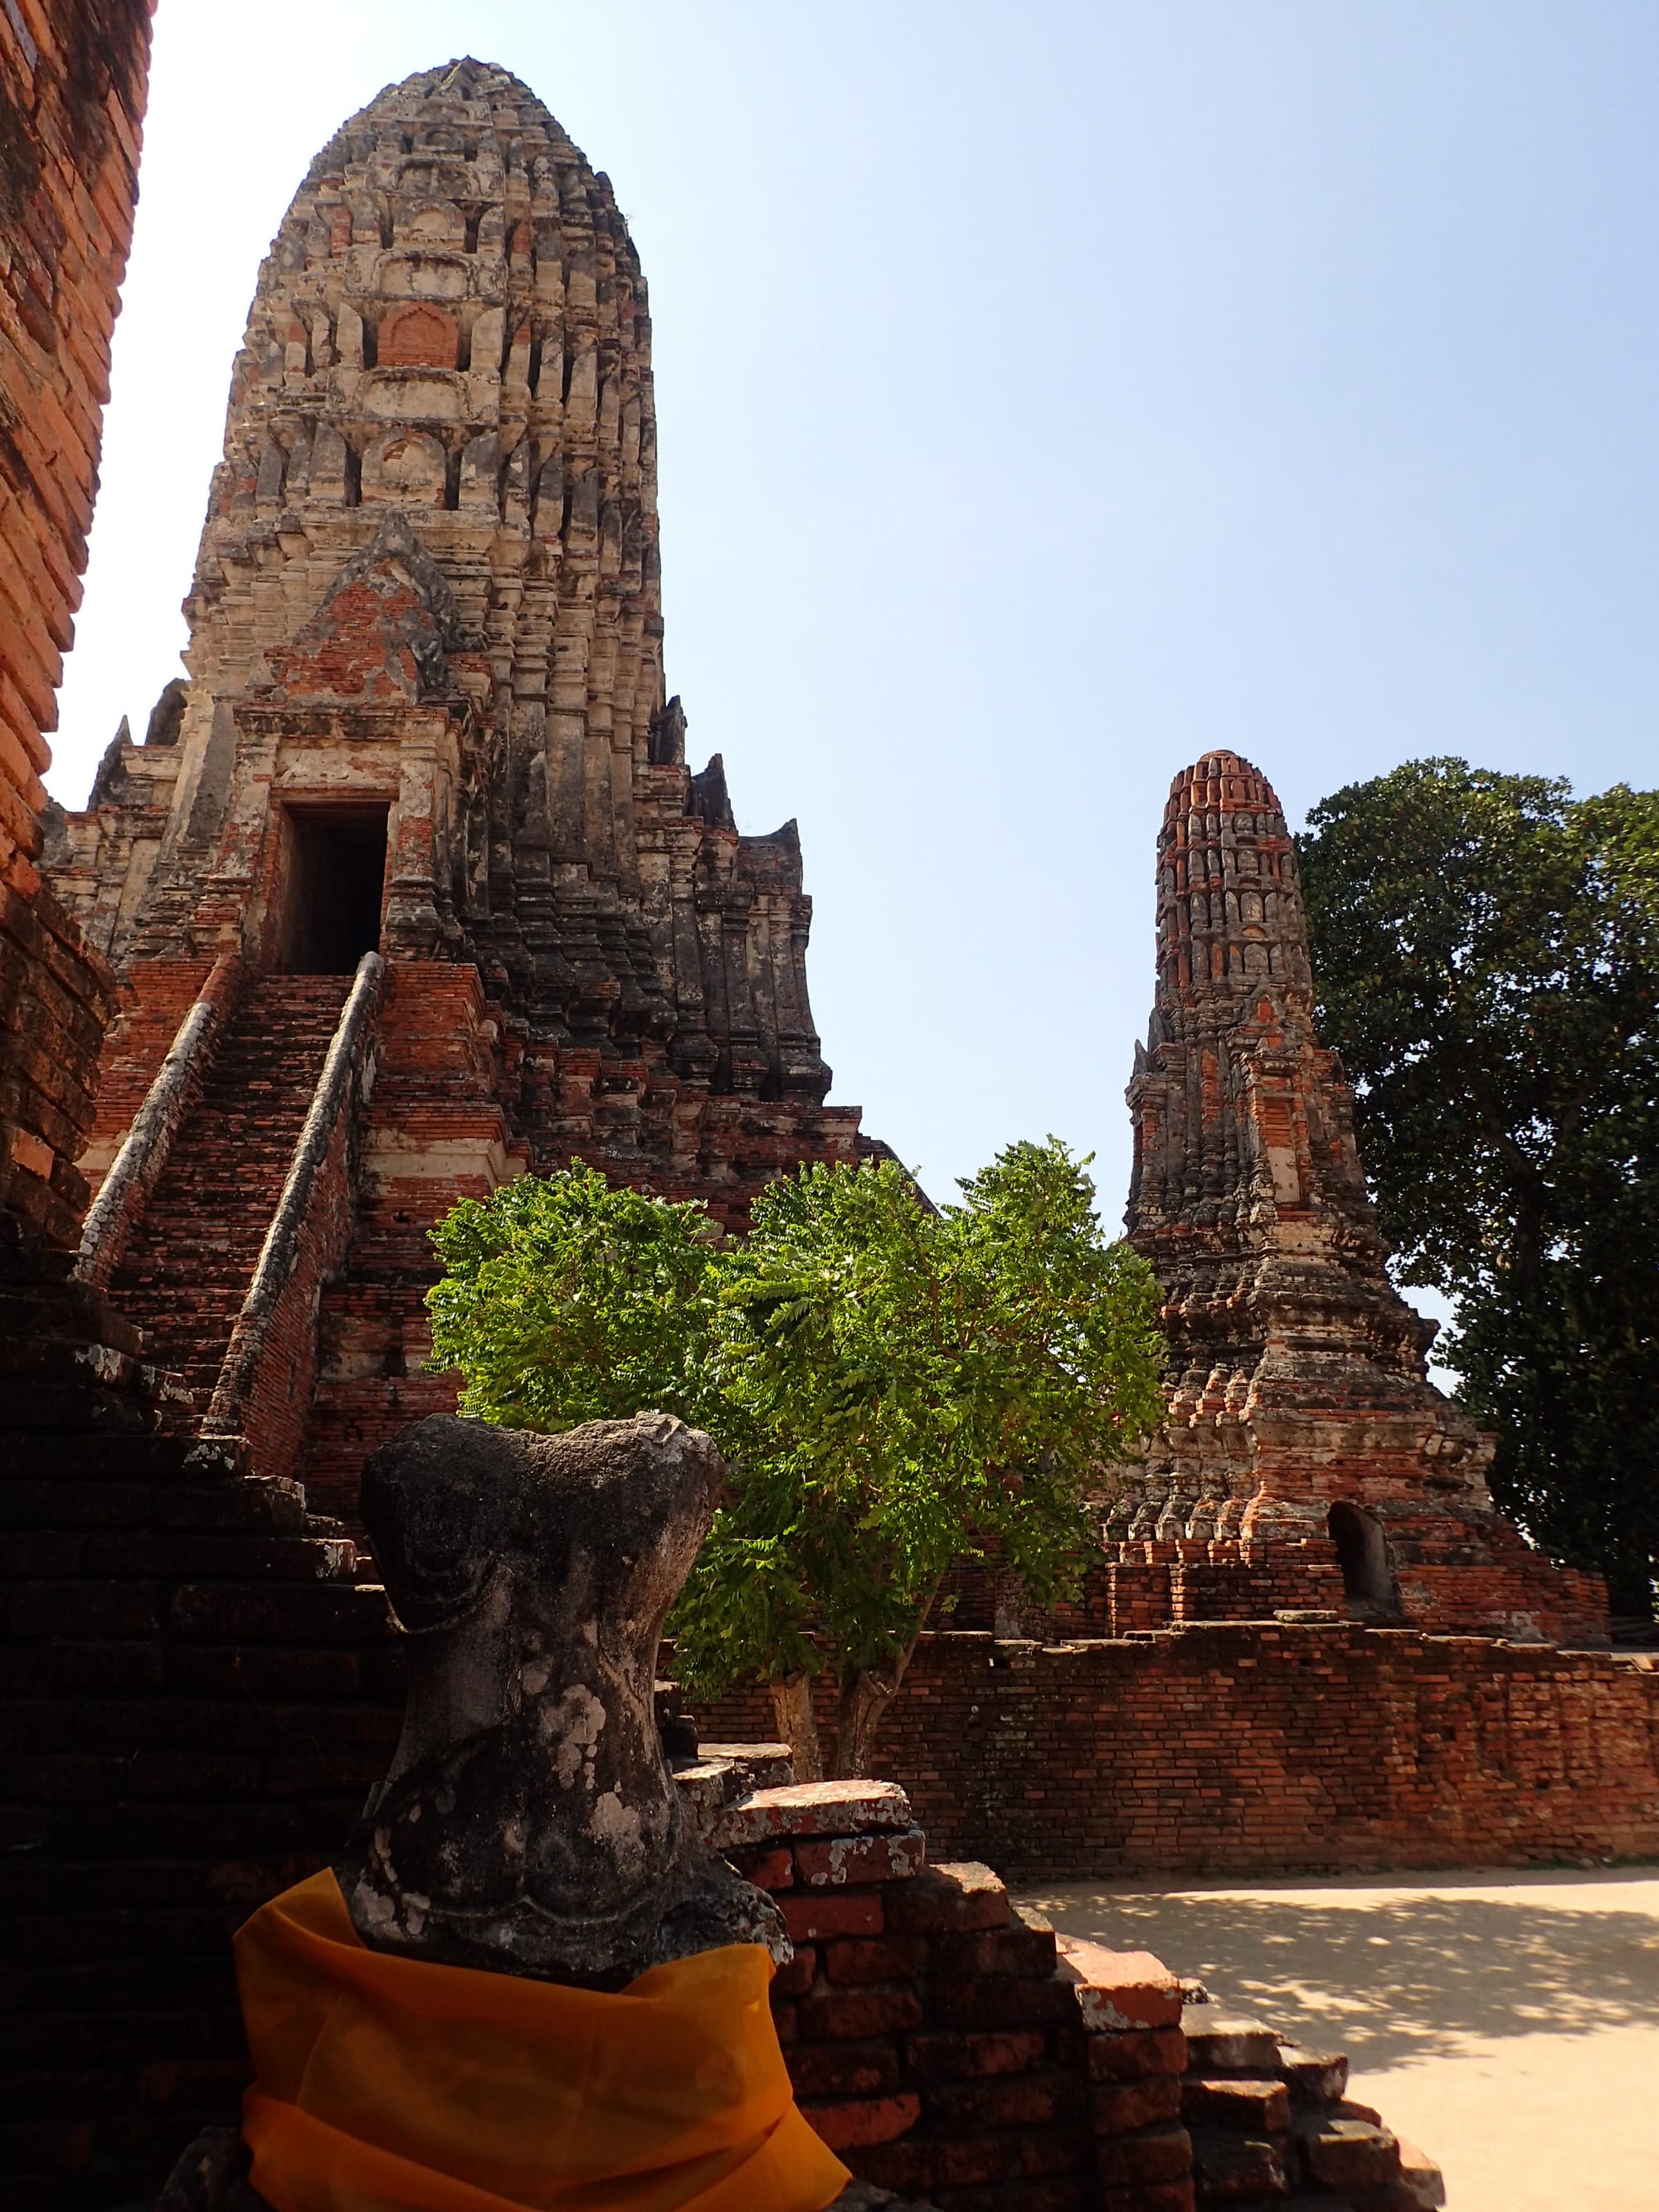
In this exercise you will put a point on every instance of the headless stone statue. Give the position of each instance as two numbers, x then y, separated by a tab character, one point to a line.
529	1822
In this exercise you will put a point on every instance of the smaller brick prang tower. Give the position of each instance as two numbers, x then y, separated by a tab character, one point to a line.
1307	1459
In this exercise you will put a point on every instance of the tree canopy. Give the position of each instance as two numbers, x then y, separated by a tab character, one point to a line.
1486	960
897	1387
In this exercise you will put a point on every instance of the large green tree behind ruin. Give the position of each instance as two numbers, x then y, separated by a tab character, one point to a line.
1486	960
895	1388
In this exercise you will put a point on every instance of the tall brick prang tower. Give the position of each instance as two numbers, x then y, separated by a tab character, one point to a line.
425	719
1303	1436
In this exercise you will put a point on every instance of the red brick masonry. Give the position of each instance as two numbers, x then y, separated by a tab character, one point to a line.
72	80
1230	1748
951	2047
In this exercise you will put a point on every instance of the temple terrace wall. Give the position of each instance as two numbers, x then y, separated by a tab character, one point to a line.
1232	1747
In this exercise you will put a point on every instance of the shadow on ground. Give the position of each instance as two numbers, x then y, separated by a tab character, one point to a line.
1391	1976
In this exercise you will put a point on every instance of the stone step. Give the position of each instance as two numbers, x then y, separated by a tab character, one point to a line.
1219	2042
191	1257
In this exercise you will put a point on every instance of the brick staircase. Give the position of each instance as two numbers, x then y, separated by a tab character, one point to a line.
187	1269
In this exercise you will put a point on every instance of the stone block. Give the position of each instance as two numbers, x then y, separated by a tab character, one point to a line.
1313	2076
1255	2107
1002	2002
1019	1949
1424	2185
794	1979
835	1861
849	1963
1163	2153
1117	1990
769	1866
1132	2053
950	1899
940	2057
1118	2108
814	1916
1224	2043
1227	2167
814	1809
1033	2102
837	2015
1348	2153
846	2069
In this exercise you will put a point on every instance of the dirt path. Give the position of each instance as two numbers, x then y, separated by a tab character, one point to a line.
1507	2023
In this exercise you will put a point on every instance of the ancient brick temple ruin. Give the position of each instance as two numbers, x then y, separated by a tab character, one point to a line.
408	888
426	718
1307	1461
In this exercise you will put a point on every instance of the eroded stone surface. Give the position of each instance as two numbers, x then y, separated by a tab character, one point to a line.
529	1822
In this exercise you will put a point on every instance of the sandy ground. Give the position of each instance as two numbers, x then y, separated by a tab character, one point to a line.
1507	2023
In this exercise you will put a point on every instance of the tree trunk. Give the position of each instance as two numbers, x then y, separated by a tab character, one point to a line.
864	1700
797	1724
865	1697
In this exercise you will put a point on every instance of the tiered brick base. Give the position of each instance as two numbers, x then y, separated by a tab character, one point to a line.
196	1696
1513	1591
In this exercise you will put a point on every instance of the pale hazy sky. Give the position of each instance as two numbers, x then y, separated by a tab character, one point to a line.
1046	394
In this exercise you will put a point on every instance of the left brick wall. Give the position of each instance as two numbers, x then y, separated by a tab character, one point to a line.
73	77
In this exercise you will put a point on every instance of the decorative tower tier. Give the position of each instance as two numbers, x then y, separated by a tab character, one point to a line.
1303	1439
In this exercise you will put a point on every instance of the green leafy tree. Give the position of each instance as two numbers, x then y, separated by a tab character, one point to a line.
895	1387
1486	956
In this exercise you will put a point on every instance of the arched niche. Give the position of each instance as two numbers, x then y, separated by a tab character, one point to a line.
404	467
418	336
440	222
1362	1552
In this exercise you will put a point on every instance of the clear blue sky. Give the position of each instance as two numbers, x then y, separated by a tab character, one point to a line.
1047	394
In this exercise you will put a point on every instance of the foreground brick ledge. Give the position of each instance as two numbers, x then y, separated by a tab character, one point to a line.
1119	1990
815	1808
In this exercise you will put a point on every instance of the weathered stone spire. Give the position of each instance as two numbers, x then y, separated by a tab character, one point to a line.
1299	1407
1229	911
426	719
429	579
1240	1118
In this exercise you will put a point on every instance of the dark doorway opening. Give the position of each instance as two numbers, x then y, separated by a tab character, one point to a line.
335	879
1362	1552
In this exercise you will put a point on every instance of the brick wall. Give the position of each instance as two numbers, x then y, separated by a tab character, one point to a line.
1229	1748
194	1697
155	997
72	83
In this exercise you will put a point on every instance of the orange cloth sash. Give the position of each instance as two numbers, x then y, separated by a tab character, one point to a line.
390	2085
